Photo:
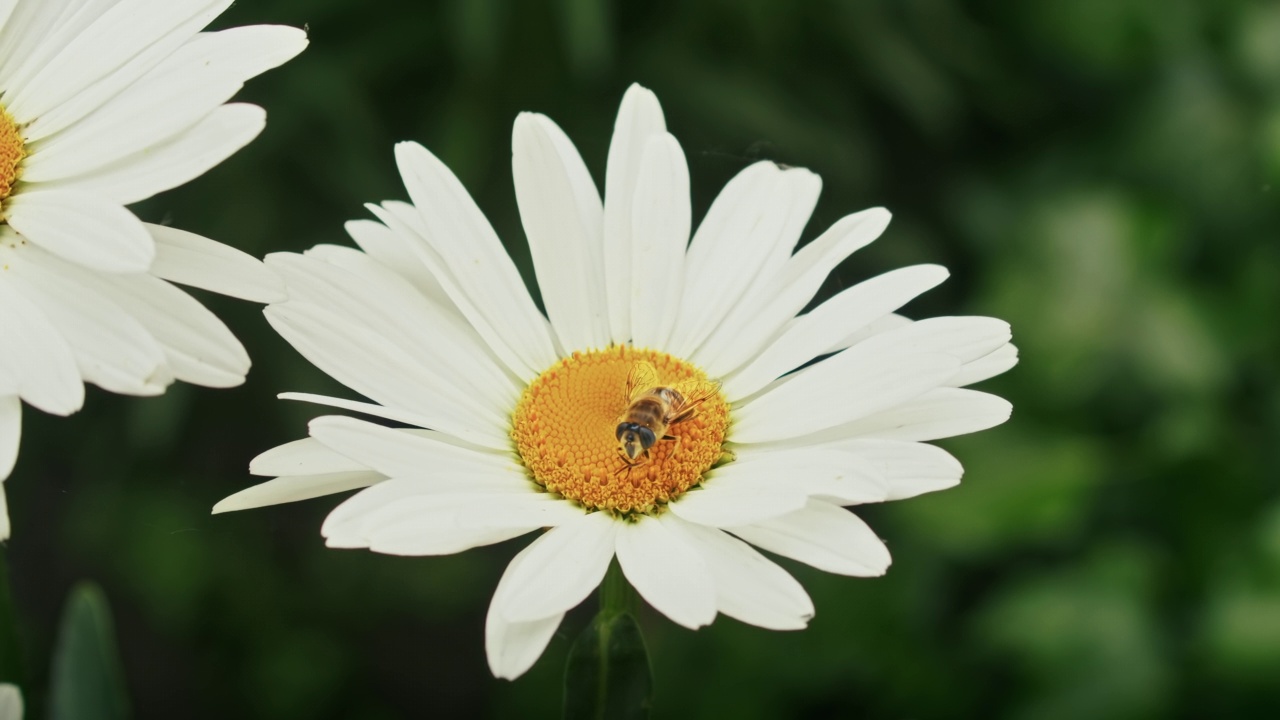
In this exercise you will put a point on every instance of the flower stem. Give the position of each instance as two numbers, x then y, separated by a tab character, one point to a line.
616	594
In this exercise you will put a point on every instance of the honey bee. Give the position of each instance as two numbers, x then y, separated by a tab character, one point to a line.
652	409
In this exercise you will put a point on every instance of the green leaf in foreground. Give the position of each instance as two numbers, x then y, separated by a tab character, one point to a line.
87	682
607	674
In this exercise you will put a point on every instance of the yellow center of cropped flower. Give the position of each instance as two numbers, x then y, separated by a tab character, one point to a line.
12	150
565	428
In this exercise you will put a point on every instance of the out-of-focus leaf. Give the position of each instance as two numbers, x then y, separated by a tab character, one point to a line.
607	675
88	683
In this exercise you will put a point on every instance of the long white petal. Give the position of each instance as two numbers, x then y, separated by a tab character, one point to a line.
750	587
639	118
660	221
842	388
813	333
561	568
189	259
372	365
199	347
750	225
993	363
38	365
822	535
82	229
513	648
306	456
911	468
667	571
563	218
125	30
111	348
292	488
725	505
939	413
400	454
761	314
833	473
329	285
478	262
175	161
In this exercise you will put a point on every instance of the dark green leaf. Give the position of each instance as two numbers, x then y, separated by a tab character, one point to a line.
607	674
87	683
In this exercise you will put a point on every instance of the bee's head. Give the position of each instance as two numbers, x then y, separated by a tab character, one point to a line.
634	439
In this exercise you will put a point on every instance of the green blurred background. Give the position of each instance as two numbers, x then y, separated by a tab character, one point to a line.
1101	173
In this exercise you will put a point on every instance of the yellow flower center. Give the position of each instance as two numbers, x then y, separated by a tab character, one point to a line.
12	151
566	430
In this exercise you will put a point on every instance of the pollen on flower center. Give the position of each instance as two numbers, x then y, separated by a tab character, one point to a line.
12	151
565	429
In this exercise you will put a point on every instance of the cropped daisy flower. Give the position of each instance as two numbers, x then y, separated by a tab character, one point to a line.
104	103
673	408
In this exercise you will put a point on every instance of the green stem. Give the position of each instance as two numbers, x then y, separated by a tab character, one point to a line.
616	594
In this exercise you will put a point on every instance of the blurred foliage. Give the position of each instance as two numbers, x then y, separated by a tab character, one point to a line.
1101	173
87	679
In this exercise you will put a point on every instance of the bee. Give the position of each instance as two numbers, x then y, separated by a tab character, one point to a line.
652	409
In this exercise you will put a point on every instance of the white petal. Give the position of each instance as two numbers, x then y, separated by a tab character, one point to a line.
762	313
112	349
292	488
442	515
513	648
842	388
476	258
374	366
563	219
911	468
988	366
560	569
395	414
200	349
306	456
813	333
38	364
10	434
83	229
726	505
822	535
939	413
745	230
434	536
395	453
639	118
750	587
189	259
394	252
175	161
125	30
832	473
660	224
667	571
329	284
151	111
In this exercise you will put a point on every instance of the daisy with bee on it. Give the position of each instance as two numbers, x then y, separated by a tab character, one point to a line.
675	409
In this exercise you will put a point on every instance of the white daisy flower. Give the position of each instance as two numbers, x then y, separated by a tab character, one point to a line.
520	422
104	103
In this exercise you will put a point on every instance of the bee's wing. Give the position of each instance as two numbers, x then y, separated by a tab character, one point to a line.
695	392
643	376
